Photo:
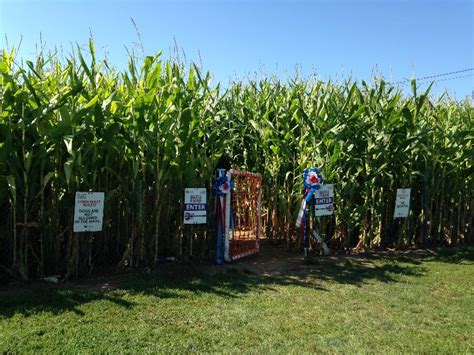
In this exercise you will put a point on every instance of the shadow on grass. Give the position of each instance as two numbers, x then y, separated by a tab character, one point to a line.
52	300
183	281
454	255
361	271
229	283
175	281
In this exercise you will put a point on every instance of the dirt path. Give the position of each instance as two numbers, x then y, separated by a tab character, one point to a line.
271	260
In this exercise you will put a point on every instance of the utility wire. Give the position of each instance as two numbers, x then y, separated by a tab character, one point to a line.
434	76
438	80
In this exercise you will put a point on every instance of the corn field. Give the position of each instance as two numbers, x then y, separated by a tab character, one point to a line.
144	134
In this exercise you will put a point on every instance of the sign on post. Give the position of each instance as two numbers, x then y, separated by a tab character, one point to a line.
324	200
195	206
88	212
402	203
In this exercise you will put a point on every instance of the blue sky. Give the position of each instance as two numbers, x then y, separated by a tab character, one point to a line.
236	39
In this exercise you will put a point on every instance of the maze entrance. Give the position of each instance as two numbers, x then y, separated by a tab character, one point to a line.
243	222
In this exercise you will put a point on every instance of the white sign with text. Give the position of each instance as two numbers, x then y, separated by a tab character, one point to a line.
324	200
88	212
402	203
195	206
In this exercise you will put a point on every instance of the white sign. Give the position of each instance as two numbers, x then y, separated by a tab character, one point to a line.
402	203
195	206
88	212
324	200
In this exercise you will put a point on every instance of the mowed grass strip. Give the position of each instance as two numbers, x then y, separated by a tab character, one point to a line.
375	303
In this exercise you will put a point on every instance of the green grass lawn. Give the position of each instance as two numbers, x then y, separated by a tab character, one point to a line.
375	303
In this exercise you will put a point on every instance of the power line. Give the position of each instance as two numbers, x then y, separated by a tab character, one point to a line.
434	76
445	79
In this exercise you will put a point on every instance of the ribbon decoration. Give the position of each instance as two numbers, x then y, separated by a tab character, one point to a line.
312	180
223	185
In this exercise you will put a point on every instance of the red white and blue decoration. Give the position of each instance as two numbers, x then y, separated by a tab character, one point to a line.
223	185
312	180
